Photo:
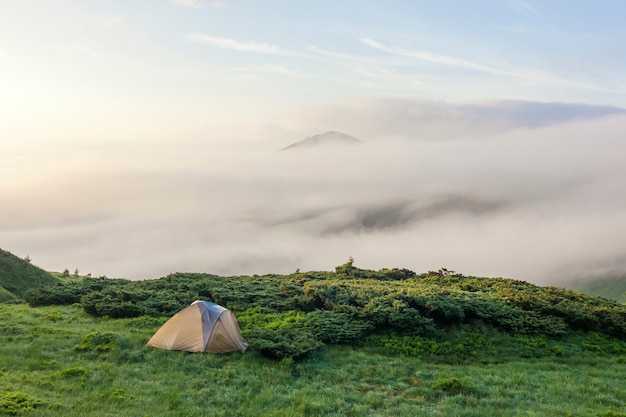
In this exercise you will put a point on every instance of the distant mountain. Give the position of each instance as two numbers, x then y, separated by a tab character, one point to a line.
18	276
323	139
612	287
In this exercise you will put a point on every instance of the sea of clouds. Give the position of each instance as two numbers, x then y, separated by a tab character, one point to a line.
532	191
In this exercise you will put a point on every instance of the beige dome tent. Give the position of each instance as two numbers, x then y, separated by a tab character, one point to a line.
201	327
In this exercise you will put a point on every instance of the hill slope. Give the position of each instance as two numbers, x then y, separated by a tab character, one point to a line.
288	316
18	276
323	139
612	287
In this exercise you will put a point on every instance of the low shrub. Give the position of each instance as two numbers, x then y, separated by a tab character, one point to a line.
77	371
336	328
285	342
16	402
610	413
54	316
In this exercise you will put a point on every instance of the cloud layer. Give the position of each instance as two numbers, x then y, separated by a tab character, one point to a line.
532	191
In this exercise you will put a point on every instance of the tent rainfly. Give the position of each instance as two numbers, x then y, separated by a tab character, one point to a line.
200	327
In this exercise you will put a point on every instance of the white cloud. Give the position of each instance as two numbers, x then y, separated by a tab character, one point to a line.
502	200
532	75
275	69
254	70
379	73
523	6
195	4
336	54
255	47
435	58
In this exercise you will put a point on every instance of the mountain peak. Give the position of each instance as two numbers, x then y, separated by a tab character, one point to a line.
328	138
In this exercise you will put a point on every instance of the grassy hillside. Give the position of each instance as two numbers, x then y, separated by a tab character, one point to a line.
289	316
17	276
613	287
58	360
351	342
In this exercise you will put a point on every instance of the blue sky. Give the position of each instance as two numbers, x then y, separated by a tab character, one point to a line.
199	61
139	136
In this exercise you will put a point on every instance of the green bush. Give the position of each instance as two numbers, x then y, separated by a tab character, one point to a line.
286	342
266	318
610	413
54	316
68	293
335	327
76	371
349	303
112	302
15	402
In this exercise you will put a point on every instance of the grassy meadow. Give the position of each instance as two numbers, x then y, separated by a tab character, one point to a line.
59	361
349	342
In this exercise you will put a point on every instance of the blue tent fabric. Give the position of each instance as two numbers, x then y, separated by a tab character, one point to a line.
210	313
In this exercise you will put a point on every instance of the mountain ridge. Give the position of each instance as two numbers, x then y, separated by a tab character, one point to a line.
330	137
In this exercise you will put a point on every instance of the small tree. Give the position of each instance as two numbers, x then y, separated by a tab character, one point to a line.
346	269
443	272
66	272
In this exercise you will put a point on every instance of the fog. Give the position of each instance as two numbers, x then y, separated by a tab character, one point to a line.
532	191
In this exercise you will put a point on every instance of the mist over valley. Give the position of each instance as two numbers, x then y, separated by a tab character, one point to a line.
486	189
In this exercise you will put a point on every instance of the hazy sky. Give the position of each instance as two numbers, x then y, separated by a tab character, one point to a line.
107	67
138	138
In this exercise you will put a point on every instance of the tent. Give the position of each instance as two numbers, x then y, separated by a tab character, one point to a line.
200	327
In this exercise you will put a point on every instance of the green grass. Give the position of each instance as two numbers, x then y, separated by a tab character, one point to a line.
612	287
60	361
7	296
352	342
17	276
